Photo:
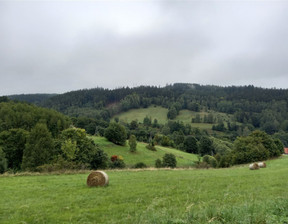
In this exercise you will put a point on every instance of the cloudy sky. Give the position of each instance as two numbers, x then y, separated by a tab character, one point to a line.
59	46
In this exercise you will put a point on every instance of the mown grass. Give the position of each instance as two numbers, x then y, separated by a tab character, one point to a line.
144	155
234	195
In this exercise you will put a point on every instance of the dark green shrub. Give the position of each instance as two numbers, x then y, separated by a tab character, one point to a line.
226	161
169	160
140	165
210	160
3	162
158	163
206	159
116	162
165	141
99	159
213	162
116	133
151	147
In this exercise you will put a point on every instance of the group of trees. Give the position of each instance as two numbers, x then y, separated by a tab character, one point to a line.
33	137
257	146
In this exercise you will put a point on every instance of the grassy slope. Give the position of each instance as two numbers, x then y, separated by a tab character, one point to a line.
144	155
160	114
235	195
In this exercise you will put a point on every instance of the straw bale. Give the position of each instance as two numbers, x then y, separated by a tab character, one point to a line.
253	166
97	178
262	165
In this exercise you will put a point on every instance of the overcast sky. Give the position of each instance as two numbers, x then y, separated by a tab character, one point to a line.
59	46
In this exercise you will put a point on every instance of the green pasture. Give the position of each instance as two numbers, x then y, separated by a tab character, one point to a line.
232	195
144	155
160	113
153	112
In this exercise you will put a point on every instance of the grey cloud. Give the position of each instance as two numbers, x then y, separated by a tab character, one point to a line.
62	46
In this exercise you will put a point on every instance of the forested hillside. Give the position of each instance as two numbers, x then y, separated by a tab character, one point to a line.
230	125
256	107
253	107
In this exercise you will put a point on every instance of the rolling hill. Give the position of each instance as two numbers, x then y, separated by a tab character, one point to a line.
143	154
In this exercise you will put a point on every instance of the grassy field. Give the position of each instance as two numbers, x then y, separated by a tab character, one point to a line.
143	154
234	195
160	114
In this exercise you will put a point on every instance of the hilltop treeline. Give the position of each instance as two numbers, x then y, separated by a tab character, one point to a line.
259	108
250	107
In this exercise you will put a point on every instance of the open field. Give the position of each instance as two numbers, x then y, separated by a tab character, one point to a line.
143	154
160	114
234	195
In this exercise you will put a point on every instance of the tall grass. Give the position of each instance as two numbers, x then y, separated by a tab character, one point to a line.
234	195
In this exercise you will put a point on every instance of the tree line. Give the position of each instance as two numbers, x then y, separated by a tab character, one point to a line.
256	108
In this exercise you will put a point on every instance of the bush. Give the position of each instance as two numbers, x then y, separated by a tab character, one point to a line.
151	147
169	160
140	165
132	143
3	162
61	164
210	160
116	133
165	141
226	161
117	162
99	159
158	163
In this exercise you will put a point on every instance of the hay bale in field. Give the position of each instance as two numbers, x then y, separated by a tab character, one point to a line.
262	165
253	166
97	178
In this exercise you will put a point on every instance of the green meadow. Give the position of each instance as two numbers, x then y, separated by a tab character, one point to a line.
144	155
153	112
160	113
232	195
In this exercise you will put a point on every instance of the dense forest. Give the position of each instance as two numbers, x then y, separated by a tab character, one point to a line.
252	107
257	128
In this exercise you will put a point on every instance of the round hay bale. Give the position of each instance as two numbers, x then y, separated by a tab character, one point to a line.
97	178
262	165
253	166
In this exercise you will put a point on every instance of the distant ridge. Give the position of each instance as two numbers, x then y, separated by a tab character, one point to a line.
37	98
